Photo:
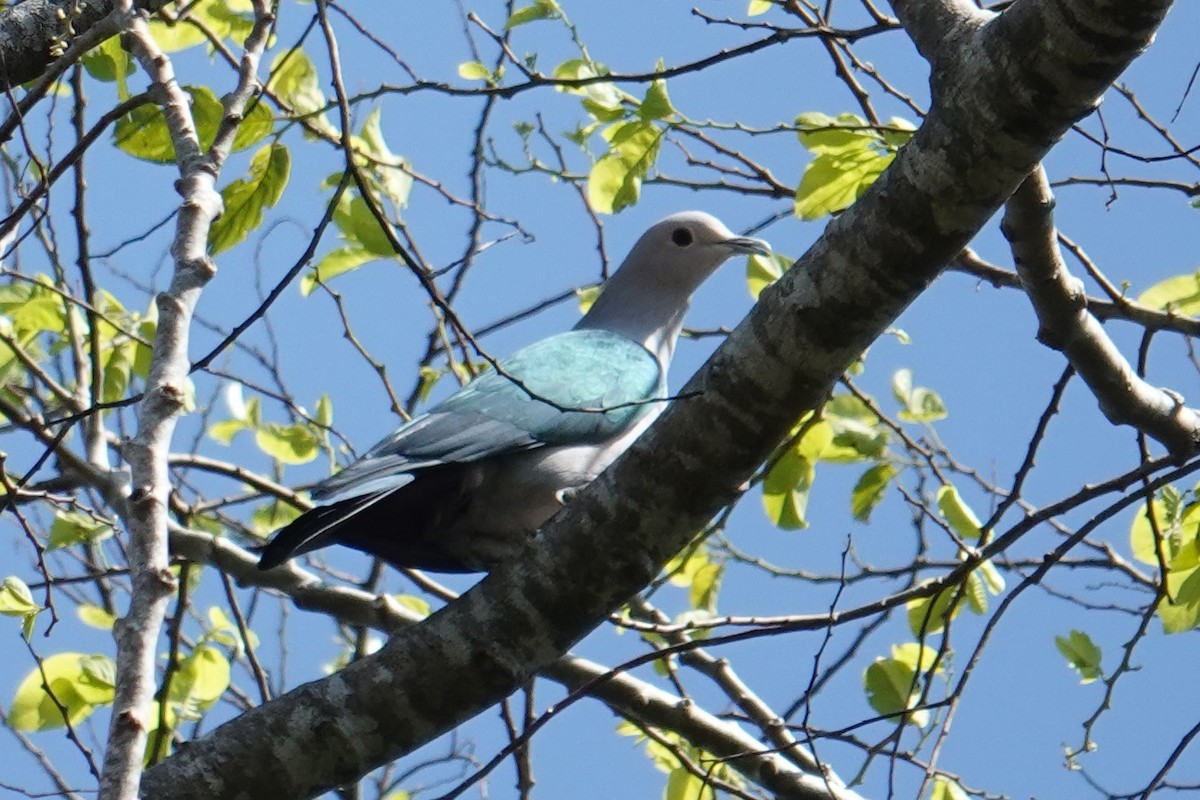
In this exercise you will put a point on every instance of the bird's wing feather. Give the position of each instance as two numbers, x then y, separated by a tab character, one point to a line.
579	387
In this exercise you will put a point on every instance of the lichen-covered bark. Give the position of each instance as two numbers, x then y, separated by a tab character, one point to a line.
995	116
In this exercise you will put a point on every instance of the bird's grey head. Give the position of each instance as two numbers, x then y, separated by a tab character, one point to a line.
682	250
645	299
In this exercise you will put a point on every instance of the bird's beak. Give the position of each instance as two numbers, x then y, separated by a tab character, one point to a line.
747	245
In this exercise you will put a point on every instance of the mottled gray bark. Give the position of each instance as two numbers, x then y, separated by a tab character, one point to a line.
1005	90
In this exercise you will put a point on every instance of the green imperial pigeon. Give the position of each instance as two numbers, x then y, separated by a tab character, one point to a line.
466	484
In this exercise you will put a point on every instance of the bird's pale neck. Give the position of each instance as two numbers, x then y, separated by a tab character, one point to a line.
647	312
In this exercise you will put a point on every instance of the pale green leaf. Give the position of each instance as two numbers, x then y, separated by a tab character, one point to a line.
96	617
288	444
929	615
74	527
762	271
73	682
947	789
615	181
474	71
1179	610
543	9
225	430
919	657
417	605
15	598
246	198
1180	294
294	80
1082	655
657	103
586	295
334	263
272	516
957	513
757	7
870	490
360	227
892	688
390	171
831	183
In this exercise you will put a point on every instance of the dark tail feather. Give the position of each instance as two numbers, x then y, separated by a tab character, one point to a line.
402	526
314	529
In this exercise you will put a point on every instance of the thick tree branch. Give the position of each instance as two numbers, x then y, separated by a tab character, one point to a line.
33	34
152	583
625	694
988	128
1065	324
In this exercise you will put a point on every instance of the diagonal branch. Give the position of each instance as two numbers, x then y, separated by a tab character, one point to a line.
1065	324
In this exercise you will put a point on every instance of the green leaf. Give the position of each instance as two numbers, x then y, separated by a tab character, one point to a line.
657	103
257	124
75	680
15	598
117	370
601	97
543	9
142	133
586	295
929	615
957	513
757	7
334	263
870	490
417	605
474	71
109	62
272	516
228	20
919	657
762	271
41	313
846	134
225	631
1179	610
947	789
246	198
682	784
1081	653
288	444
389	170
615	181
1180	294
695	569
96	617
359	226
429	376
75	527
991	577
294	80
787	484
892	688
918	404
200	681
324	416
225	430
858	433
831	183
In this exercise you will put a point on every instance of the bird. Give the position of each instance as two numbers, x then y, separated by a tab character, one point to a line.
467	484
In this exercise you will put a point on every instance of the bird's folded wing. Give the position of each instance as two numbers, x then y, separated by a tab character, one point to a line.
579	387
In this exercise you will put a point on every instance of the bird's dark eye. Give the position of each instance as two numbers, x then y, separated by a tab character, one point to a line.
681	236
